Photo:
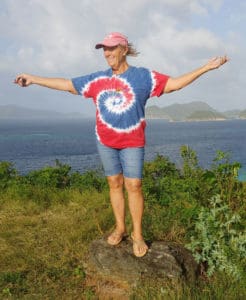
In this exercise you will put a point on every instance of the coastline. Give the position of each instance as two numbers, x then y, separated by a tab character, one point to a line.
195	120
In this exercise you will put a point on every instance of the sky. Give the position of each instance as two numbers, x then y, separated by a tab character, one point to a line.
57	39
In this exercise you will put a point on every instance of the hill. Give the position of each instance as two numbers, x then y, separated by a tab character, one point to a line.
193	111
156	112
18	112
205	116
242	114
232	114
185	112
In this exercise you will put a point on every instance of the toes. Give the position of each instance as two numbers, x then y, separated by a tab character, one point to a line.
115	238
139	247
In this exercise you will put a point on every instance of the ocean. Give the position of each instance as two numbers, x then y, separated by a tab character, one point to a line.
34	144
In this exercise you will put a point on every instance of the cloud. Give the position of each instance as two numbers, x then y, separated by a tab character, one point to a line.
57	38
59	34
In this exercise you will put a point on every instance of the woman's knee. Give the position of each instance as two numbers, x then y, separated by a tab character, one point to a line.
133	185
115	181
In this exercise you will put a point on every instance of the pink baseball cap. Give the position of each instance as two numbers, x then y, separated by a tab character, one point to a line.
113	39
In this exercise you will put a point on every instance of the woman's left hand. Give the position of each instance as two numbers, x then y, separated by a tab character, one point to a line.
216	62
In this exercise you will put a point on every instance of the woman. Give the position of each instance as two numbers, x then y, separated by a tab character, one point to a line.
120	94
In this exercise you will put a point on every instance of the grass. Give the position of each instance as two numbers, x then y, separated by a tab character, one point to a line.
219	287
45	230
42	250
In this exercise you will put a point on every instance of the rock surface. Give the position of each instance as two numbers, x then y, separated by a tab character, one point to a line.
117	269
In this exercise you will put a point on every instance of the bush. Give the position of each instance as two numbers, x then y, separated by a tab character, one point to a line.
7	174
91	180
226	175
52	177
159	180
219	240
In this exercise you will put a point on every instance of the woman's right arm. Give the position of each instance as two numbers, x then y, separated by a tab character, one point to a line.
60	84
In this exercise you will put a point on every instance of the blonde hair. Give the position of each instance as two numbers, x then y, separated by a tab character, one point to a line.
132	51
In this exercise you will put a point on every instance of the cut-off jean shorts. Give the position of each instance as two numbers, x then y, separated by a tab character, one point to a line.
128	161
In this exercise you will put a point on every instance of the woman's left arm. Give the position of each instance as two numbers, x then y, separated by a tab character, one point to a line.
174	84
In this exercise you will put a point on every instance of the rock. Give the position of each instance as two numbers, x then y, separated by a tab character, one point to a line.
116	269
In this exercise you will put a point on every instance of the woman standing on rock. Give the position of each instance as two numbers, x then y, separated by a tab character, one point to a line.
120	94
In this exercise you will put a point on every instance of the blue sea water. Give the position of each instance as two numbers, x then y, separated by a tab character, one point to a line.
31	145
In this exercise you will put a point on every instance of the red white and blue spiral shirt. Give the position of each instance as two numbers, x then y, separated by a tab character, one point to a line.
120	101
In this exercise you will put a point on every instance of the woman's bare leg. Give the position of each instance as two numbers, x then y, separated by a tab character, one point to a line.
116	183
136	206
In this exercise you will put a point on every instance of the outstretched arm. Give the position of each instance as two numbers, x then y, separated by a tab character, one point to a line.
174	84
61	84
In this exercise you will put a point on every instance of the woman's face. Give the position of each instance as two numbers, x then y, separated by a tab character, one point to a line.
115	56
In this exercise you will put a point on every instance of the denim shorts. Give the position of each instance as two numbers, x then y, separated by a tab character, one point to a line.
128	161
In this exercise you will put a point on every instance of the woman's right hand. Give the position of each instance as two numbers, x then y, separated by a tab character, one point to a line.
23	80
60	84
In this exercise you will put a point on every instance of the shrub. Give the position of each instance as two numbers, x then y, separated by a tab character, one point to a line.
159	180
226	174
7	174
218	239
55	177
91	180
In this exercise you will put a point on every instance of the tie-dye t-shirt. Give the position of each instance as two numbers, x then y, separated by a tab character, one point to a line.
120	101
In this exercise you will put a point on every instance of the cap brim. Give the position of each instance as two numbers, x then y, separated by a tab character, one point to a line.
100	45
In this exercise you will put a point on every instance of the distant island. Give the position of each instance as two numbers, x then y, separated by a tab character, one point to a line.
193	111
19	112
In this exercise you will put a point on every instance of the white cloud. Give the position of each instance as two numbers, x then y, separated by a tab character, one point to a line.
60	34
58	37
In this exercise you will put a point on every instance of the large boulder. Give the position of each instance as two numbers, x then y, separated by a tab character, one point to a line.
115	269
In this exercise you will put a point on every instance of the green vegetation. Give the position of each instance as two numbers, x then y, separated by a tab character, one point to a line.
242	114
49	217
186	112
206	115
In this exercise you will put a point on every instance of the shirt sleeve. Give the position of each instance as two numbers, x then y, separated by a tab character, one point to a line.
158	83
80	83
